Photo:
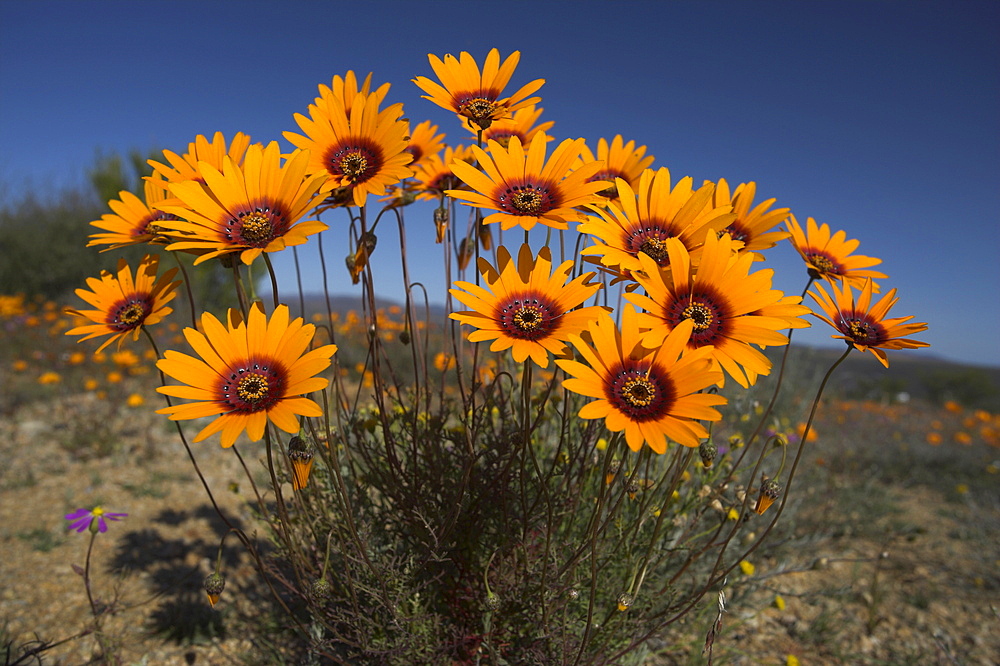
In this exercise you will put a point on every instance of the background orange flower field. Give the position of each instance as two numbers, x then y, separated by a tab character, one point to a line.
888	554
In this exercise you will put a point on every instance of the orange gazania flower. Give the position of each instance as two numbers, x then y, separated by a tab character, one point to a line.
362	151
864	326
345	89
829	257
424	142
621	160
522	125
524	188
651	394
721	297
248	374
752	226
185	167
648	216
526	308
434	175
123	305
475	96
249	209
133	221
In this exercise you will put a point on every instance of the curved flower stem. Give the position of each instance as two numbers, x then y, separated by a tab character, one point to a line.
284	527
274	280
718	576
95	611
86	579
298	281
187	287
241	293
756	433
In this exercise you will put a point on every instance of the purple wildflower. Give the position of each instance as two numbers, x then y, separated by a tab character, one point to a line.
81	519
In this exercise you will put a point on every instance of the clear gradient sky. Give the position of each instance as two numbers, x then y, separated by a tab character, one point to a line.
876	117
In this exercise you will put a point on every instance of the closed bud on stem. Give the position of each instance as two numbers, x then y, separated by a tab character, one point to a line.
492	601
301	457
770	490
707	451
440	223
321	589
214	585
625	601
613	468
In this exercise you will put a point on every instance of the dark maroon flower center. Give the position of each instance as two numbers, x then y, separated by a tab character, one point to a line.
650	238
129	313
256	227
708	311
609	175
503	136
862	329
738	232
355	160
416	151
443	181
148	226
530	317
253	386
640	392
528	198
823	262
479	106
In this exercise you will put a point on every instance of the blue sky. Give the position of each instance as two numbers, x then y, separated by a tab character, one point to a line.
879	118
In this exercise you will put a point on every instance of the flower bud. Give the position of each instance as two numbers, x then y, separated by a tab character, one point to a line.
625	601
769	491
707	451
214	585
492	601
613	468
321	590
440	223
302	461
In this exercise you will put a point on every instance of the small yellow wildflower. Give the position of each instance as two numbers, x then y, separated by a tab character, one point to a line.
125	358
135	400
49	378
962	489
791	660
779	602
733	515
747	568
